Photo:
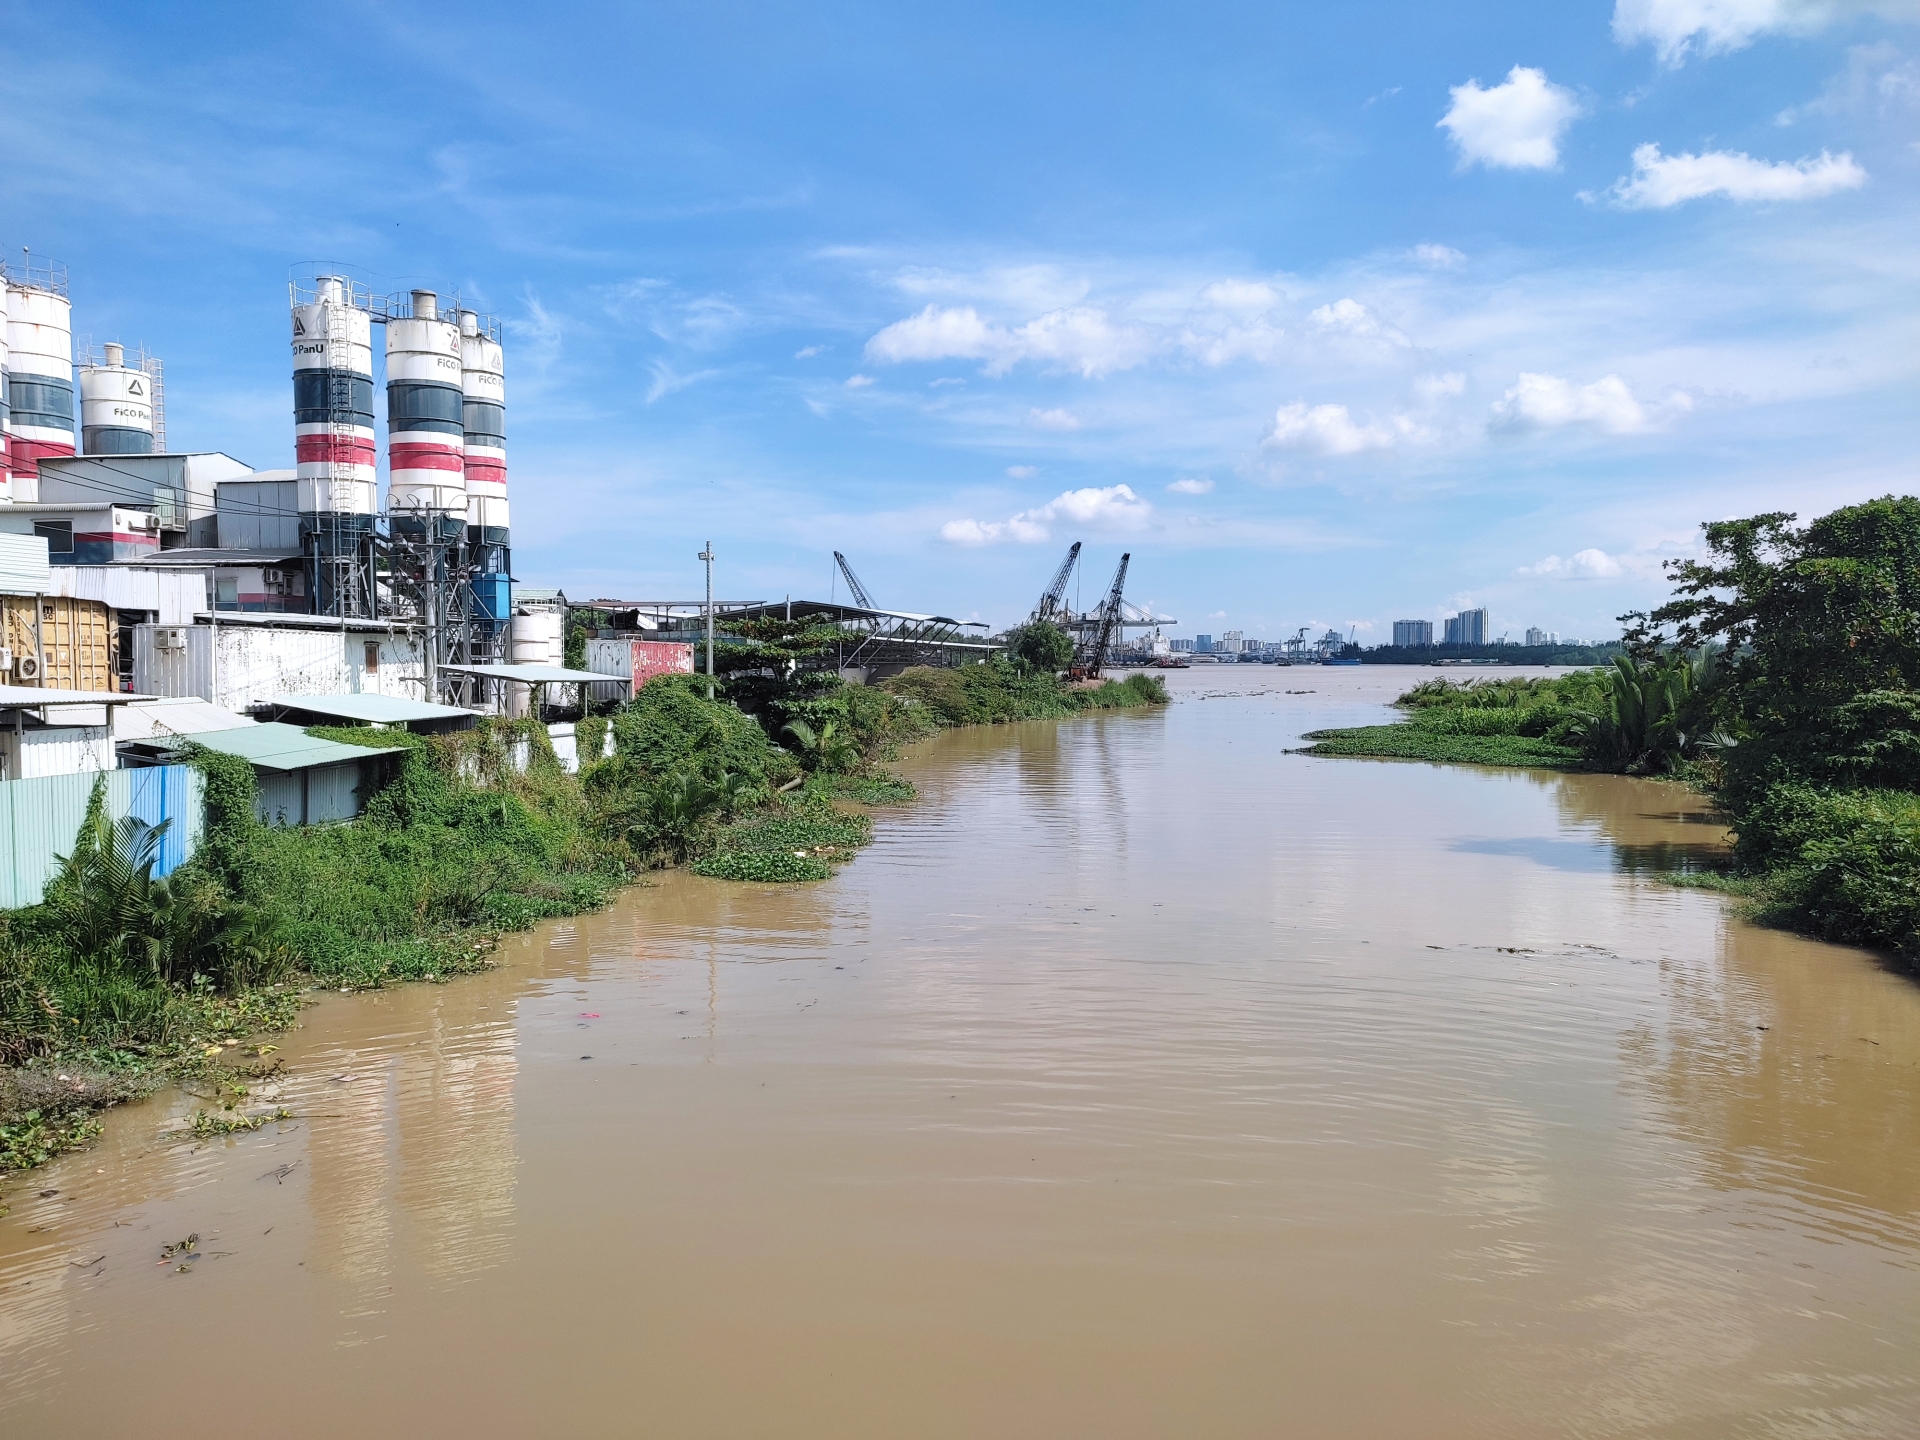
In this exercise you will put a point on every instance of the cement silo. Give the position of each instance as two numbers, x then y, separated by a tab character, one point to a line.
116	406
334	450
6	425
426	429
39	372
483	388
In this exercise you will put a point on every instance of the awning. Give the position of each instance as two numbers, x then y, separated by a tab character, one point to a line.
369	709
274	746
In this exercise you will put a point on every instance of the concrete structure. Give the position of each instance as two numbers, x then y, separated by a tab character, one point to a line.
116	405
334	452
1412	634
39	378
246	659
1469	627
426	422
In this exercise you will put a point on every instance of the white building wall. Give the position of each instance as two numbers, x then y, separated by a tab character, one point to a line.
259	662
56	750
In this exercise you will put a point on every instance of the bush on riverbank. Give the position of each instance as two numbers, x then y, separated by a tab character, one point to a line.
1001	691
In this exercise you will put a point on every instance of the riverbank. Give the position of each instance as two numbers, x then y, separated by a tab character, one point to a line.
118	982
1113	1037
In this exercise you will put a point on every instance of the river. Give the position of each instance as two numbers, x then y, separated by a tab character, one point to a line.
1141	1079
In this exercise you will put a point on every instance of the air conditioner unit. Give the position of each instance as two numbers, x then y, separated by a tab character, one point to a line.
171	637
27	667
6	659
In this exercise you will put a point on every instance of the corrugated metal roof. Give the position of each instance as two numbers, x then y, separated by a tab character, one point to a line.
530	674
285	747
187	716
24	567
170	595
374	709
32	697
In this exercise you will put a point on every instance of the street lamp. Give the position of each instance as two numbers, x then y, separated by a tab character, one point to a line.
707	556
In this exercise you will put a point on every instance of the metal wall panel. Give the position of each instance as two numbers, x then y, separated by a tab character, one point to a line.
40	819
279	797
24	568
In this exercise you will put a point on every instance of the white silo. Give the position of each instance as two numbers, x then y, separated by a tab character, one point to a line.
336	489
483	386
116	406
334	451
39	373
426	469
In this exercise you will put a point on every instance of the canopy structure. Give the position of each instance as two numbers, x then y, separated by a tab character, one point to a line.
34	697
369	709
530	674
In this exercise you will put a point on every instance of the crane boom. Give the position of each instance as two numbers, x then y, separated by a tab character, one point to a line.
853	582
1050	600
1108	622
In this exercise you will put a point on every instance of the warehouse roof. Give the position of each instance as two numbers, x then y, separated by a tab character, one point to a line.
286	747
32	697
187	715
372	709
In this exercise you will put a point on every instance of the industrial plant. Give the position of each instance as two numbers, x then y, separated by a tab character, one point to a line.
151	596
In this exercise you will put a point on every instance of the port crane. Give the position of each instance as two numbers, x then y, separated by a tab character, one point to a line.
1049	605
853	582
1102	624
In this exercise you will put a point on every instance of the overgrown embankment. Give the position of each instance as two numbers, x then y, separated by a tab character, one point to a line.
1783	680
119	978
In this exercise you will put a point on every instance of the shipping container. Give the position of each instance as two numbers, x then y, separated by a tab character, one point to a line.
76	642
638	661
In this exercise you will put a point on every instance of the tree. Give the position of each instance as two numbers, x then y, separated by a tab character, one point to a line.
1820	680
1041	646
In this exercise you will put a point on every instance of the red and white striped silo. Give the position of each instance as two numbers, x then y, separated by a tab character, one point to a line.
334	450
483	386
426	429
39	374
6	425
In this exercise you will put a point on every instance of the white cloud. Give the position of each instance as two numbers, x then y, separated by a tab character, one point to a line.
1332	430
1677	27
859	382
1349	317
807	352
1023	472
1053	419
1516	125
1547	402
1240	296
1081	339
1660	181
1438	387
1582	565
666	380
1190	487
1439	257
1114	507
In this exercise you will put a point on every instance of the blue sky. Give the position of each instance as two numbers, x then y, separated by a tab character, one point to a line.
1374	310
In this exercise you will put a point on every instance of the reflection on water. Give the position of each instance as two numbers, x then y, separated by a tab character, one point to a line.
1141	1079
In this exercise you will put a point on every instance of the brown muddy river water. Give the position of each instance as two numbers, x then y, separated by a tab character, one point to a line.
1141	1080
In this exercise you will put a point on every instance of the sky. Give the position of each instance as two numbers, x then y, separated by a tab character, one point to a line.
1330	315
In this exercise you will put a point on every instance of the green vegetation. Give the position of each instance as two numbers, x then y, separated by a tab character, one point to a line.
1783	679
1584	655
120	979
1002	690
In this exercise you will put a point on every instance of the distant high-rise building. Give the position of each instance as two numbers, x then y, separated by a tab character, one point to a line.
1233	642
1203	644
1410	634
1469	627
1183	647
1537	636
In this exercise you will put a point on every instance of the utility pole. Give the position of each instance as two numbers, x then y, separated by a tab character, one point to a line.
707	556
